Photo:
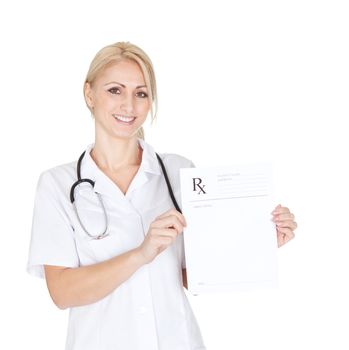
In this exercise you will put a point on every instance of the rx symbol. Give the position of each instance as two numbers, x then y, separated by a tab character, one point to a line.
196	185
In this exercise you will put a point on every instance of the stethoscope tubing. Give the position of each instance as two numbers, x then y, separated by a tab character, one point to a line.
92	183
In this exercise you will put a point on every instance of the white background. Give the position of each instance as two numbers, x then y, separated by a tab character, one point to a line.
238	82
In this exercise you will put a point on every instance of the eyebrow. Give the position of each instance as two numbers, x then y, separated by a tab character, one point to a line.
115	82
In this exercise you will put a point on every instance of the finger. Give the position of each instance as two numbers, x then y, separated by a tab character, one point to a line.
287	224
175	213
164	232
277	207
168	222
163	237
283	217
286	232
280	210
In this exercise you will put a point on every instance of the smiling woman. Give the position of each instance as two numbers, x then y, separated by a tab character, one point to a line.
119	109
113	251
132	82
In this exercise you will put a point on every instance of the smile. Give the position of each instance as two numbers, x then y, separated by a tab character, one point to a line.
124	119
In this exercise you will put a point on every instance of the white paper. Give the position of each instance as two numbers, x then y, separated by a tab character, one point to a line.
230	239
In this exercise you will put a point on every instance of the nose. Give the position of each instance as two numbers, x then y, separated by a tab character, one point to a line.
127	103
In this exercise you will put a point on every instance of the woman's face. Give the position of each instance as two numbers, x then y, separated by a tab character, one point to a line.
119	99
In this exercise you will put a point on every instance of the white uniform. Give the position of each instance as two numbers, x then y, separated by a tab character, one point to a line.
150	310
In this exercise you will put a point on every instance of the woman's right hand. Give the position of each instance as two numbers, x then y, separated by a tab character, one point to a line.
162	232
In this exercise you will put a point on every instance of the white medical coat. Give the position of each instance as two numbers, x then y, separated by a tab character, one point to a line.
150	310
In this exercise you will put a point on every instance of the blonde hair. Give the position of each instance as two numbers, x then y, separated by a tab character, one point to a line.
125	51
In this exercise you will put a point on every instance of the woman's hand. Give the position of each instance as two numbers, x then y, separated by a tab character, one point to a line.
162	232
285	224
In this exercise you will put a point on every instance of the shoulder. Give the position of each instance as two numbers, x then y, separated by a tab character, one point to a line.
171	159
176	161
58	178
173	163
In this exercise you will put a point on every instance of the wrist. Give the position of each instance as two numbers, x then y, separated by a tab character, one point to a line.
138	257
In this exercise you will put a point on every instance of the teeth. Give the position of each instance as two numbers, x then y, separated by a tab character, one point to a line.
124	119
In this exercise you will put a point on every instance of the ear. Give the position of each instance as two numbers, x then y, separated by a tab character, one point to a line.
88	94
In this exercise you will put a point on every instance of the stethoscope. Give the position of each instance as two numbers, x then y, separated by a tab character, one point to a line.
81	180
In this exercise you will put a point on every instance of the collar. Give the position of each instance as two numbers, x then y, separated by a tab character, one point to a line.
149	162
103	184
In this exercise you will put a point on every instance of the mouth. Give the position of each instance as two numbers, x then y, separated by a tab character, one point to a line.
123	119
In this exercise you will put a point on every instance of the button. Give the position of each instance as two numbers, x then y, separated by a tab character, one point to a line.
143	310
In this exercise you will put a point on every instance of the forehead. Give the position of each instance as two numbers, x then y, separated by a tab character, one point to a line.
125	72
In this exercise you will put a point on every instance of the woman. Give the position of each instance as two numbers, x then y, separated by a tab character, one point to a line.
113	254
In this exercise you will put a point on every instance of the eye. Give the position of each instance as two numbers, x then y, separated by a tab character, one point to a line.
142	94
114	90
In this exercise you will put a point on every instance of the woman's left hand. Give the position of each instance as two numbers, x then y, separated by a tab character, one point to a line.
285	224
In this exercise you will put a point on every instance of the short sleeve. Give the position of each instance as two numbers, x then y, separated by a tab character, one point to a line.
184	266
52	240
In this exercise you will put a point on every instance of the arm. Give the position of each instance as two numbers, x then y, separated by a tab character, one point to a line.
87	284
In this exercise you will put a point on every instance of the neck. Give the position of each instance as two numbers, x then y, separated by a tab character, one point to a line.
117	153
